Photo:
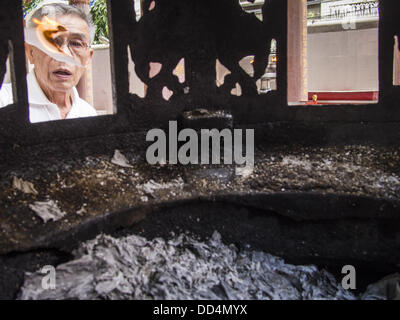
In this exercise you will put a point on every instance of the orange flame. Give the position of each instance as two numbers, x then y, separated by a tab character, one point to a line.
46	32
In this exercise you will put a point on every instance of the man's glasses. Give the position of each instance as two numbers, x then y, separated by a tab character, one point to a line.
75	46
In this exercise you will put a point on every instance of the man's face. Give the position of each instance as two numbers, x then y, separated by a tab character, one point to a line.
54	76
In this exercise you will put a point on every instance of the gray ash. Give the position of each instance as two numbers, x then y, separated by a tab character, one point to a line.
181	268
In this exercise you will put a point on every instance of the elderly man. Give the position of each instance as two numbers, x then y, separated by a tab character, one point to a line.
51	84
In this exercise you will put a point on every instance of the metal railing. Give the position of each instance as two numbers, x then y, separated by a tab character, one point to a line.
364	9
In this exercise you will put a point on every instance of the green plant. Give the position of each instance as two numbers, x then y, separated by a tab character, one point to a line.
30	5
99	15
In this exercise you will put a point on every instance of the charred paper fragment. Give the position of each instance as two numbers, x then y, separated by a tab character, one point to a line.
47	210
24	186
386	289
120	160
81	211
151	186
133	267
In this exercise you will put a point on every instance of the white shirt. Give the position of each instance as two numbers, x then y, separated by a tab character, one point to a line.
40	108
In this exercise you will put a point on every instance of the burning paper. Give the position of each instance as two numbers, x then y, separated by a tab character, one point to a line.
42	37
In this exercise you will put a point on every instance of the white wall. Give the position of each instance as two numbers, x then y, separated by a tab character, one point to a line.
7	75
342	61
102	81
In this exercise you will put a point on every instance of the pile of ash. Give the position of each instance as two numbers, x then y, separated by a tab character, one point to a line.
182	268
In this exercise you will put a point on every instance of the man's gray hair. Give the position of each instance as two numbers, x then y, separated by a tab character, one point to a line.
53	10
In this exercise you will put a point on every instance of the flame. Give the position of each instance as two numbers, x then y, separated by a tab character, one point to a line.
46	31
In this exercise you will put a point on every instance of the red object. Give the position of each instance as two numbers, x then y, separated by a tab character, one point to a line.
346	95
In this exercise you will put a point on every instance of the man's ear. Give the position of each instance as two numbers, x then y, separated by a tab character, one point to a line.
28	52
90	57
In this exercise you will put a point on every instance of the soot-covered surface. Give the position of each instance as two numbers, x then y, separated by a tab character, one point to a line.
91	187
180	268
